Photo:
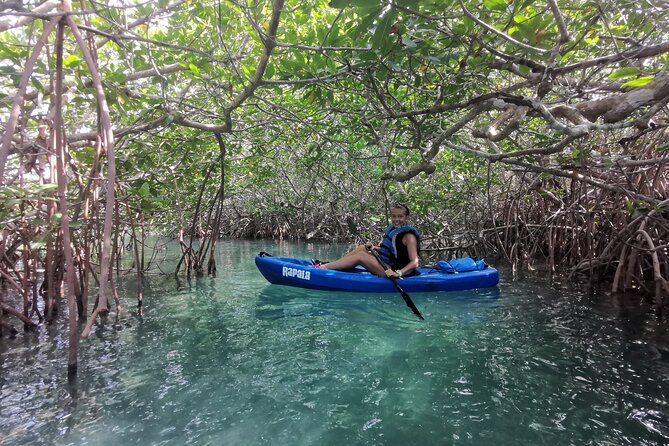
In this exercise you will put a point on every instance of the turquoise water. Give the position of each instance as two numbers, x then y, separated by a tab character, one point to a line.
233	360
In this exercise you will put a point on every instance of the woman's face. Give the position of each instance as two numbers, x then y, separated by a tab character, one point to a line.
398	217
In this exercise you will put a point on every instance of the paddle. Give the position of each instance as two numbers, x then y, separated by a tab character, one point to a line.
405	296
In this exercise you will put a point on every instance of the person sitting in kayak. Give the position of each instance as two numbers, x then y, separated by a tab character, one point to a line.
398	250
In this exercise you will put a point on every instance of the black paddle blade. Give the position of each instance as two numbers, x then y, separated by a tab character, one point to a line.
411	305
408	300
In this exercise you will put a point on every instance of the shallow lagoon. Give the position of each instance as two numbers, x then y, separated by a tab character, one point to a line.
234	360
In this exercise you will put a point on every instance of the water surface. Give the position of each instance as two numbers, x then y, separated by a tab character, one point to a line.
234	360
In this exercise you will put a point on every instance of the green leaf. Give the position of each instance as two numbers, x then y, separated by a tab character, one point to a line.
640	212
117	76
37	84
194	69
12	202
366	23
465	27
269	71
663	148
45	188
383	29
528	27
354	3
408	43
71	61
624	73
638	82
495	5
566	56
84	154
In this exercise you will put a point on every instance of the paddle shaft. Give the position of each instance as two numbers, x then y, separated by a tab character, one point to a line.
405	296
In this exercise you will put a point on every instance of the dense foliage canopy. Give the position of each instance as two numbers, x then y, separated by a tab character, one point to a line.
528	129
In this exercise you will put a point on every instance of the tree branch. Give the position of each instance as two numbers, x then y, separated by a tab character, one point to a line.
504	36
270	43
637	53
557	172
559	21
19	97
35	13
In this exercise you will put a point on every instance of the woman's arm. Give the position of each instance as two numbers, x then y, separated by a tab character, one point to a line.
409	240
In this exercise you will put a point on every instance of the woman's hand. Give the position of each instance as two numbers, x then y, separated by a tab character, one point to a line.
390	273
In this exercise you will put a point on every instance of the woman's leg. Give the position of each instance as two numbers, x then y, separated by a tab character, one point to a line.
358	249
354	252
355	258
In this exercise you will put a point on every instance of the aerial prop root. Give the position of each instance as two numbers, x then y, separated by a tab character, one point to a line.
661	284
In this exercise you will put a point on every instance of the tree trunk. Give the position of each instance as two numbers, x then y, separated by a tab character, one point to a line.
108	142
62	192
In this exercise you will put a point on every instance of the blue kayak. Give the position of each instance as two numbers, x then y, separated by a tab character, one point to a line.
300	273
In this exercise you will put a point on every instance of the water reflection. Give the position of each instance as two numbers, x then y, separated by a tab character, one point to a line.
276	301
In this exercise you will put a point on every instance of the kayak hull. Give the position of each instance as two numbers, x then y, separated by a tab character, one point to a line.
299	273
